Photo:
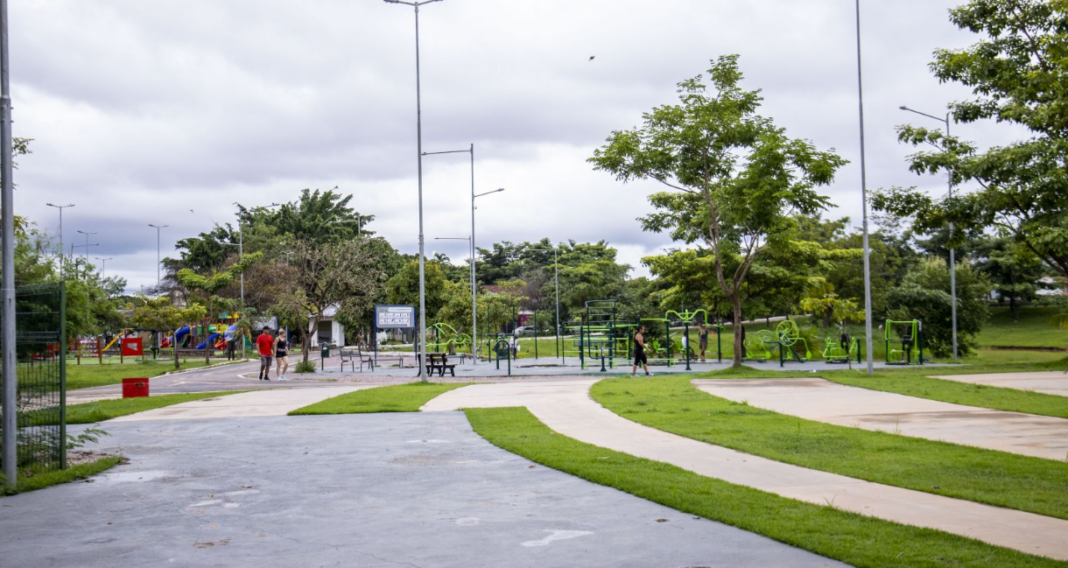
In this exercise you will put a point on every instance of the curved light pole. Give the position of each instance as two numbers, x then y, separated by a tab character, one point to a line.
86	233
158	228
61	208
474	284
419	154
952	250
474	315
556	277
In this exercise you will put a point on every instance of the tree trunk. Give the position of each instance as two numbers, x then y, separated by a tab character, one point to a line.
1012	309
307	334
739	348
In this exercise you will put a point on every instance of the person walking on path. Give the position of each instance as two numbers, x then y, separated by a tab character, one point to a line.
639	352
265	345
702	339
281	355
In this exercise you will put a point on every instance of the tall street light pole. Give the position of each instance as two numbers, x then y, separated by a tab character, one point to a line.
474	279
104	265
419	155
474	307
556	279
61	208
952	250
864	205
9	400
158	228
86	254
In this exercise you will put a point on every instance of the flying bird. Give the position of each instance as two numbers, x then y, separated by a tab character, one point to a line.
591	57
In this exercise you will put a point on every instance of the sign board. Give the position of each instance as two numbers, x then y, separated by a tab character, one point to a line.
131	347
395	317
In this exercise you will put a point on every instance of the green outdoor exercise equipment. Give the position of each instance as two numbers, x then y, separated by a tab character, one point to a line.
445	336
908	340
686	318
789	341
756	347
841	350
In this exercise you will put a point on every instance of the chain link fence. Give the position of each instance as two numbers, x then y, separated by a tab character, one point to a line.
40	348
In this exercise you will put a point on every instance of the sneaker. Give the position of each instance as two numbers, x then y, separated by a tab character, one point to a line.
648	374
266	378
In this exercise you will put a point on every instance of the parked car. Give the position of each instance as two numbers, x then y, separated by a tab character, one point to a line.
524	330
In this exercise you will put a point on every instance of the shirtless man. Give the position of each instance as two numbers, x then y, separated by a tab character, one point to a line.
639	352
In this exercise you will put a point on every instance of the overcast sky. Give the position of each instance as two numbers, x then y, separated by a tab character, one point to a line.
170	111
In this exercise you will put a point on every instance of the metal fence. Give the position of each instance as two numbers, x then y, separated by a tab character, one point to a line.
40	347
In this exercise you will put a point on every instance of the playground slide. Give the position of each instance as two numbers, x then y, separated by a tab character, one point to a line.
211	338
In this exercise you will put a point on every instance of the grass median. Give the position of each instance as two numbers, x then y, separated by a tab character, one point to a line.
985	476
855	539
86	376
98	411
396	398
50	478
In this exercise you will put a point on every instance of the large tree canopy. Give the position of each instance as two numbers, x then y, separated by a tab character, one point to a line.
1017	75
736	178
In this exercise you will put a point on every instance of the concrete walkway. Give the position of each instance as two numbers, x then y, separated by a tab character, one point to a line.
567	408
274	402
826	401
1053	382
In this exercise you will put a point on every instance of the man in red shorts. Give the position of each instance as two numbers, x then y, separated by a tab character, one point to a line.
265	345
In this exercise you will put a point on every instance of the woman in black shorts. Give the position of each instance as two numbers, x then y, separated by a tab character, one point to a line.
639	352
281	355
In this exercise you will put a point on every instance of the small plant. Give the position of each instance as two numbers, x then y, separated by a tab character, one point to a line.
89	435
304	367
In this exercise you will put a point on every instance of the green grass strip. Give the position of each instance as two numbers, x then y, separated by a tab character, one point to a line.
91	412
855	539
997	478
396	398
50	478
86	376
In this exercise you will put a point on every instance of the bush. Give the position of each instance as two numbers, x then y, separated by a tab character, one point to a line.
304	367
924	295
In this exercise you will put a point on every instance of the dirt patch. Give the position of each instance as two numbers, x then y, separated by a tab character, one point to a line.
80	457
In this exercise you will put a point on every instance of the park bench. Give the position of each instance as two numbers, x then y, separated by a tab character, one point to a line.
353	356
439	362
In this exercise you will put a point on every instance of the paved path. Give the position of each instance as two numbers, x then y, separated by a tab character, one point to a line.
567	408
1053	382
275	402
374	491
826	401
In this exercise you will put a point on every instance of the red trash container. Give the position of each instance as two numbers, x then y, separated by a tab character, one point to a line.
132	388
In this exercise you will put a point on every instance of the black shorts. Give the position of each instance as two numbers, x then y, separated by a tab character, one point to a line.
639	358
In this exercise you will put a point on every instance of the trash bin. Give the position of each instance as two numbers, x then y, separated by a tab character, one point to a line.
325	351
132	388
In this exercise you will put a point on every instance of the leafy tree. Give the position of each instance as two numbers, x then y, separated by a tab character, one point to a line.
403	287
342	275
598	280
736	177
1016	72
316	217
924	295
159	314
1013	271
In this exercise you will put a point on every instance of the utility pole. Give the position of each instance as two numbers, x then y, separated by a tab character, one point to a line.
864	205
7	281
158	229
61	208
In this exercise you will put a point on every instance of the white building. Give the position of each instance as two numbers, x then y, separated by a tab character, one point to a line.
331	332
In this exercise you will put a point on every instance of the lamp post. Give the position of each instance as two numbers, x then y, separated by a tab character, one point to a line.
474	285
419	160
474	315
103	265
84	260
61	208
952	250
87	243
9	400
158	229
864	206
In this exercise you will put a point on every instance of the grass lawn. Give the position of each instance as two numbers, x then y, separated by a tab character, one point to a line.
74	473
395	398
91	412
1033	329
997	478
860	541
85	376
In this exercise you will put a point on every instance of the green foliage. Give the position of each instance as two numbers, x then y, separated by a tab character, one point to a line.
1015	72
1014	271
925	295
737	178
403	287
397	398
317	217
304	367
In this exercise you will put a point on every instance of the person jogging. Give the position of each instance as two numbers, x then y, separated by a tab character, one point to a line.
265	345
639	352
281	355
702	339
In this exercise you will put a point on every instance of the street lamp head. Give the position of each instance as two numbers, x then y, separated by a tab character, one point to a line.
903	107
60	206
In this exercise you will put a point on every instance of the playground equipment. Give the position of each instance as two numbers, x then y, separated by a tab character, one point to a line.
756	347
786	337
841	350
910	336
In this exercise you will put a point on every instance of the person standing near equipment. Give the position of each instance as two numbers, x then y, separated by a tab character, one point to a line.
281	355
702	339
639	352
265	346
